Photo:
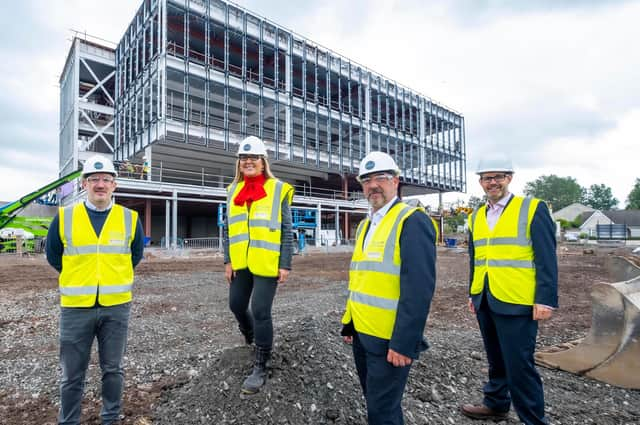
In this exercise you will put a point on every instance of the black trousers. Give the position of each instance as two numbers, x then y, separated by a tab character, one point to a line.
260	291
510	341
382	383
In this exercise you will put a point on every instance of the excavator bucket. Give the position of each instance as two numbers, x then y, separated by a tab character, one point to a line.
611	351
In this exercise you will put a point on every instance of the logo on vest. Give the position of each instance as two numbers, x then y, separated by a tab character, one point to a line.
116	238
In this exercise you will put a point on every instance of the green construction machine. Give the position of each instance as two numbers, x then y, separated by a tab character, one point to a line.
31	230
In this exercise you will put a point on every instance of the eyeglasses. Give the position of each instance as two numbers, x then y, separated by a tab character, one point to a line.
96	180
499	178
379	178
244	157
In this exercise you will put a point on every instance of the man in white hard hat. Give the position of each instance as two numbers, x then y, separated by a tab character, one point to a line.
95	245
391	283
513	285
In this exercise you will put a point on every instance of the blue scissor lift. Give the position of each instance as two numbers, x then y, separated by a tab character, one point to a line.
302	220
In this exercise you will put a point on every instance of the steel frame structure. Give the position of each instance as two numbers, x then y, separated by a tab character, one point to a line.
191	78
195	73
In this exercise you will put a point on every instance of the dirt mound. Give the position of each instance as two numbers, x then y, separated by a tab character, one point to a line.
311	381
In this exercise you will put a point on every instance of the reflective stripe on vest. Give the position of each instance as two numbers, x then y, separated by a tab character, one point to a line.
373	301
520	264
91	290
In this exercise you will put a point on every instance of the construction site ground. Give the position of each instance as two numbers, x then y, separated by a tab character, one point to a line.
186	360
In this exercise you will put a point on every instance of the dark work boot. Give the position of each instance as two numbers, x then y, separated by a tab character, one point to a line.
258	377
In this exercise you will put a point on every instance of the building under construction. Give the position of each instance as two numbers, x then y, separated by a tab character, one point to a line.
190	79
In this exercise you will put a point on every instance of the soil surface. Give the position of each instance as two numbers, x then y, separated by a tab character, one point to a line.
186	359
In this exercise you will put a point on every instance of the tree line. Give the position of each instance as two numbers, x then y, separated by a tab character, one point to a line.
563	191
560	192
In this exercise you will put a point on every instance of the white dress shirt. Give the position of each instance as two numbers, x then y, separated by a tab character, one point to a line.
376	218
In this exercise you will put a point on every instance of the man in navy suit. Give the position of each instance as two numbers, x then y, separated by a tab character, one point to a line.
513	285
391	283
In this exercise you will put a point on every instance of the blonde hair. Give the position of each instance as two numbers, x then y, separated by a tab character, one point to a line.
266	171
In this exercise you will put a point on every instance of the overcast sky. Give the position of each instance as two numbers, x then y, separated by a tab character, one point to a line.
553	83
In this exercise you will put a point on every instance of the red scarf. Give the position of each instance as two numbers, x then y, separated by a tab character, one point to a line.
253	190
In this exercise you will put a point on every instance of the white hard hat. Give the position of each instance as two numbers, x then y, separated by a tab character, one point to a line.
98	164
376	162
252	146
495	163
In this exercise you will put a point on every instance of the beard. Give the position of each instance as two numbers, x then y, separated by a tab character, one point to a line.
377	202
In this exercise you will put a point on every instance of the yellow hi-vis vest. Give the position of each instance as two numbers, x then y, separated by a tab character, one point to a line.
505	253
255	235
96	266
374	275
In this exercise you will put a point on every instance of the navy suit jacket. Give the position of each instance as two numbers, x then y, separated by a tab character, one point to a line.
545	260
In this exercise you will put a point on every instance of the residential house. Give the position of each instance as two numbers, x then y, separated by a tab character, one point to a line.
630	218
571	212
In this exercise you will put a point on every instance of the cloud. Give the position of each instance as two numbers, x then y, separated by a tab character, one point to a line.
36	37
554	82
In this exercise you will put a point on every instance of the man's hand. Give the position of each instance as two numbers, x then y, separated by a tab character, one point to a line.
347	339
229	274
542	312
283	274
471	307
397	359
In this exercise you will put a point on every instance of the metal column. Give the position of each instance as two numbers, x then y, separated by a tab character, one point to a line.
174	220
318	224
167	222
337	225
147	217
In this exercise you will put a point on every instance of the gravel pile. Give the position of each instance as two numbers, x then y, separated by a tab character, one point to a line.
313	381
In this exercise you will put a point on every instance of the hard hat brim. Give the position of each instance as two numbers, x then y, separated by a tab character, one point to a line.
113	173
389	171
494	170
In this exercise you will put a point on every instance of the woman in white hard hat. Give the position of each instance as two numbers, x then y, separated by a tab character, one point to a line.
258	246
